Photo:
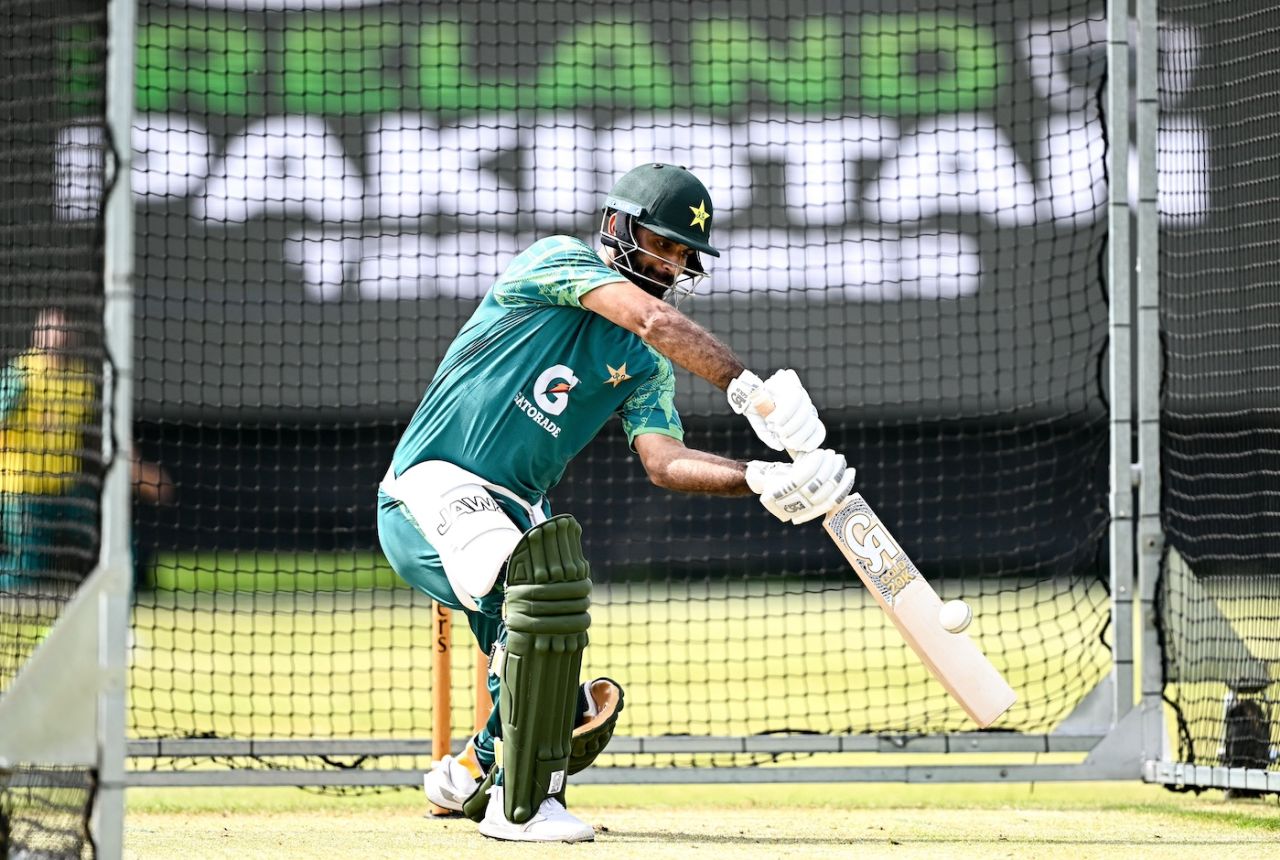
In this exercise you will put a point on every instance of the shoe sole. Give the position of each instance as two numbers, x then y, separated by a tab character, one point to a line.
524	836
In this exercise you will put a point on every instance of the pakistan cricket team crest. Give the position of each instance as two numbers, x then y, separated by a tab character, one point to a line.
617	375
700	216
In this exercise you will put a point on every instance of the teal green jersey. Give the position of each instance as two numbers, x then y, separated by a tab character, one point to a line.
533	376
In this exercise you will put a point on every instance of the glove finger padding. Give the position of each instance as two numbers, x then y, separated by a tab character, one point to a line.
815	470
791	492
784	494
760	425
804	490
828	467
794	419
828	497
813	473
803	432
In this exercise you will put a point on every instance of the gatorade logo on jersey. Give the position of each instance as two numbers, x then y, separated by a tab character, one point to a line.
551	395
551	390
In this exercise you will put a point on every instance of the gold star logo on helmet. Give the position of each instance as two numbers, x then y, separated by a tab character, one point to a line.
700	216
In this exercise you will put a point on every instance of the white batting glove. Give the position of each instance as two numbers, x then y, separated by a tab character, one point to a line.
792	425
804	490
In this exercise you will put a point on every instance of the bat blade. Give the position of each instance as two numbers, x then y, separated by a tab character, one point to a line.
903	592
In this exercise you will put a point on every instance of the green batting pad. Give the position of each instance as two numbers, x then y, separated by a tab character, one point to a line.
548	593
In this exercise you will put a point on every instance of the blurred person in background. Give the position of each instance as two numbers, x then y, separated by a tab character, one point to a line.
152	485
48	421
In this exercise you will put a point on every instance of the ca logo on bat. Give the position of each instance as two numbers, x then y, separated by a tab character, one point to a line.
870	541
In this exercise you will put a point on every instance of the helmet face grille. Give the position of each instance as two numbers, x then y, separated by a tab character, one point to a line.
629	257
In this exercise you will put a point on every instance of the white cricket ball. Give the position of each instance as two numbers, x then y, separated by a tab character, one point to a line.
955	615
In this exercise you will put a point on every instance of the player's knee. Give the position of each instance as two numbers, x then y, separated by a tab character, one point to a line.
548	586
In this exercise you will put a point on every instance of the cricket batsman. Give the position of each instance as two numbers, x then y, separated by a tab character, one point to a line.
565	338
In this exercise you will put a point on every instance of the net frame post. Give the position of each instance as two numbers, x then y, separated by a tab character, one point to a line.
67	704
1149	372
115	560
1120	754
1120	369
1179	591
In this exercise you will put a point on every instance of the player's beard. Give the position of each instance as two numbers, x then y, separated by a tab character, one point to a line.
647	277
655	282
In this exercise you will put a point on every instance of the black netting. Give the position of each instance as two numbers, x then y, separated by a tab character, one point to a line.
50	313
910	198
52	57
1220	315
44	812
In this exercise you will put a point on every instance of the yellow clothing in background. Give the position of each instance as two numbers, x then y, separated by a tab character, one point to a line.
46	407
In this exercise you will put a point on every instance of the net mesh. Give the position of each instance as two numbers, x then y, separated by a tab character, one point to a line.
51	361
1221	444
910	207
44	812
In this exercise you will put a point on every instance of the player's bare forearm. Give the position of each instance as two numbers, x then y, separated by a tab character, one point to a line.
667	330
672	466
694	348
702	472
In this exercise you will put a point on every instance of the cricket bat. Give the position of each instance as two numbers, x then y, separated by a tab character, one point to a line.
902	591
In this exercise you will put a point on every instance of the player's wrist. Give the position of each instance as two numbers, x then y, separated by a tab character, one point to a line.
743	391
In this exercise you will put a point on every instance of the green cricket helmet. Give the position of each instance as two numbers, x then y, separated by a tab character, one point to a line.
669	201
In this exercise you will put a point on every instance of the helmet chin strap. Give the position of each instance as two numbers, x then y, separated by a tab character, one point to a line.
625	244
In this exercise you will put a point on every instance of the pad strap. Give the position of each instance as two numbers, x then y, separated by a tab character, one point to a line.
474	806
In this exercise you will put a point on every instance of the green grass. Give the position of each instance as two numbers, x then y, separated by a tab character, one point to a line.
271	572
706	657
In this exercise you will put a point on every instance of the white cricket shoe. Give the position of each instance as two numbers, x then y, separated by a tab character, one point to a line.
552	823
449	783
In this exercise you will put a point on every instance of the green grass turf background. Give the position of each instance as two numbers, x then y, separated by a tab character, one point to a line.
238	645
